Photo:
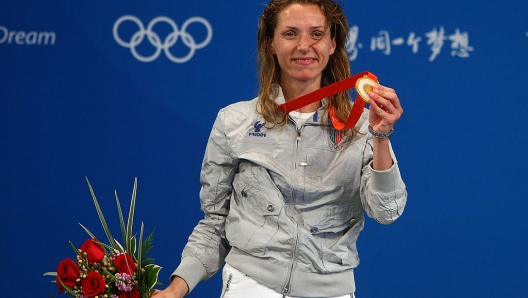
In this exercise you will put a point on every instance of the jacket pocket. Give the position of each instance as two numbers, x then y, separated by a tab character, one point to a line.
333	218
253	220
332	232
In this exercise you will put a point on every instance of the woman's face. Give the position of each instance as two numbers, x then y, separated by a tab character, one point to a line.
302	43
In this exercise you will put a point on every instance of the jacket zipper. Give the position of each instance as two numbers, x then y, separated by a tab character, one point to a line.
287	285
294	178
293	253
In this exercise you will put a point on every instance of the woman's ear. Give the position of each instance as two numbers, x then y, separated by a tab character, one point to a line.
271	48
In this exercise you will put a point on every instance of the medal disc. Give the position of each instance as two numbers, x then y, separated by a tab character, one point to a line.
364	86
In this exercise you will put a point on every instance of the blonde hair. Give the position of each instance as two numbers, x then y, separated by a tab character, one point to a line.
338	67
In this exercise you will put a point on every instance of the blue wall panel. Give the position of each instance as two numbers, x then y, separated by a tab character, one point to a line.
75	103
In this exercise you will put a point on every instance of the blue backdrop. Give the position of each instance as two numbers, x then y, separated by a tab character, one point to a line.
83	92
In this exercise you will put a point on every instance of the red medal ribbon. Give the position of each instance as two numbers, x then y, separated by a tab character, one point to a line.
319	94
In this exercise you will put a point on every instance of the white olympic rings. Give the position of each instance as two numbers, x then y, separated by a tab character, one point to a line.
169	41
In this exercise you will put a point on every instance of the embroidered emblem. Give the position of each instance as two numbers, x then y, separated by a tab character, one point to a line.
258	126
336	138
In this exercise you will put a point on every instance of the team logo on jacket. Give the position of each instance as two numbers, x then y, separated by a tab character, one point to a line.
257	133
336	138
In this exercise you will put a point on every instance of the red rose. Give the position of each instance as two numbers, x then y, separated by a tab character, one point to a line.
68	273
93	284
132	294
125	264
94	250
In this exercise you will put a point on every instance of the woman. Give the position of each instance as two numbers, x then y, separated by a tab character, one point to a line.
284	194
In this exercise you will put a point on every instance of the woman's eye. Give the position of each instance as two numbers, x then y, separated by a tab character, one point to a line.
289	34
318	35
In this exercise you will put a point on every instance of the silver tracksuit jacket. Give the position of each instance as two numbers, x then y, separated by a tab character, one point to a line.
286	205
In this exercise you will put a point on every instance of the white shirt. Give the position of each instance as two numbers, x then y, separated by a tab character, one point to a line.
300	118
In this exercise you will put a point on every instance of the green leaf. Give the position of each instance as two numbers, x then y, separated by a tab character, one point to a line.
120	247
140	252
132	246
74	248
147	247
108	247
50	274
151	274
131	217
101	216
87	231
121	220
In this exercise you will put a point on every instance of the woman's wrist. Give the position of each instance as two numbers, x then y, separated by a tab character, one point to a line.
179	286
380	135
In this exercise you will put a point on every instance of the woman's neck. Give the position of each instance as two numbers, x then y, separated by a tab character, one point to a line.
297	89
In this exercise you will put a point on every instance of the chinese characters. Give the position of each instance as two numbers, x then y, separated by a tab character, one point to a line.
434	39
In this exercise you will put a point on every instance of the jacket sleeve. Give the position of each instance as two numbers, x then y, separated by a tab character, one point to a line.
383	193
207	247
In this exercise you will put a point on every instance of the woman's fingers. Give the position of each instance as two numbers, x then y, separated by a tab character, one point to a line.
385	105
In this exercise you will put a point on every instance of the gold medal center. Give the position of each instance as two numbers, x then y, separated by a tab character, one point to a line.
367	88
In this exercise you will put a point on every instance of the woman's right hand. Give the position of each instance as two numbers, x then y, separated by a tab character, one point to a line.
177	289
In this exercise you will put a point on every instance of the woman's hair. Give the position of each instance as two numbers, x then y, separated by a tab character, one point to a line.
338	67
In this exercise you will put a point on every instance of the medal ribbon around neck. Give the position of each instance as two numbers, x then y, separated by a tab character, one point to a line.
363	83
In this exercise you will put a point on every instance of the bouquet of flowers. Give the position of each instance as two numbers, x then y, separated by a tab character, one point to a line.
111	270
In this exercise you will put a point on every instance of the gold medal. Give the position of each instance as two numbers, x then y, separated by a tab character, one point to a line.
364	86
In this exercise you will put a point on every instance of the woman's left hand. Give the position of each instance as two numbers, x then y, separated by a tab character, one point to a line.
385	108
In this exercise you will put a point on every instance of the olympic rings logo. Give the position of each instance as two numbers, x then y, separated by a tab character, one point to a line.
169	41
